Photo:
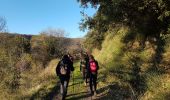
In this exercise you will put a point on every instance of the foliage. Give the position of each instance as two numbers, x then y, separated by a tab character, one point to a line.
132	66
141	54
148	16
93	40
23	57
44	48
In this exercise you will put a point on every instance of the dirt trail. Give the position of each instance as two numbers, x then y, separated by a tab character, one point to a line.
77	89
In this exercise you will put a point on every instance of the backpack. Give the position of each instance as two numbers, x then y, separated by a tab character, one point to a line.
63	68
93	67
83	64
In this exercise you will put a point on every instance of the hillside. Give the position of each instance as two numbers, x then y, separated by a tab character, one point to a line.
27	64
130	71
74	43
70	43
127	71
130	39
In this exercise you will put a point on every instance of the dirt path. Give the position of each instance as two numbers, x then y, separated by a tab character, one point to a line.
109	87
77	89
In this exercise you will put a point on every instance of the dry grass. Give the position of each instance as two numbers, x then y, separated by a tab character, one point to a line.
117	63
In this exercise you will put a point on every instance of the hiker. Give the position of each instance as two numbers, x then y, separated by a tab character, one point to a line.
83	68
63	70
93	71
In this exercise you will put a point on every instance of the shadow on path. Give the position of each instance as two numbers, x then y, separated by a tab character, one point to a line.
109	92
51	95
79	96
45	94
76	83
113	92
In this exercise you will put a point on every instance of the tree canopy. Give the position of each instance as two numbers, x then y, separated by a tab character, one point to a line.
148	16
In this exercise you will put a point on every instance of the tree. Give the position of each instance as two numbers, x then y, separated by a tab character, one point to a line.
56	41
151	17
2	24
93	40
48	45
54	32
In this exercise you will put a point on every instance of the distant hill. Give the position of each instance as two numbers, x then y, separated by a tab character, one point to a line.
74	43
16	34
70	43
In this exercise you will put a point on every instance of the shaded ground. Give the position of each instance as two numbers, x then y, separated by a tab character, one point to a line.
44	94
108	91
78	91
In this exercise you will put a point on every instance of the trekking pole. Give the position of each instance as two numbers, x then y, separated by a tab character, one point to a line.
73	81
133	93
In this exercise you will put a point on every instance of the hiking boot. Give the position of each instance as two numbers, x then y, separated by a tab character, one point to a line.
91	92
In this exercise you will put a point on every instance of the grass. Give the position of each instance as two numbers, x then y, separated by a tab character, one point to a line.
126	72
126	64
35	83
38	84
76	89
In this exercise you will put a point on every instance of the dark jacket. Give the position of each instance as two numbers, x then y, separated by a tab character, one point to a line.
84	61
69	68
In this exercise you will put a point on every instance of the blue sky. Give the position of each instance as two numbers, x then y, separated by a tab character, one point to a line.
34	16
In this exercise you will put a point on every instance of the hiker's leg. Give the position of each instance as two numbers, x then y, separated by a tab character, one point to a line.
61	85
86	75
67	82
83	73
91	86
95	81
64	90
61	88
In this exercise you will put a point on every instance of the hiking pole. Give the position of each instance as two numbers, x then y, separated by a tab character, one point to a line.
133	93
73	81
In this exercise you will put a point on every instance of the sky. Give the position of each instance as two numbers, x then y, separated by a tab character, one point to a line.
34	16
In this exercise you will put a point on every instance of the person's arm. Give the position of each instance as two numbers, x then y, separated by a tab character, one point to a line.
58	69
71	66
97	65
88	67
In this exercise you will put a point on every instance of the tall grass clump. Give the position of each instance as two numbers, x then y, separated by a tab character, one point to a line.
112	48
38	82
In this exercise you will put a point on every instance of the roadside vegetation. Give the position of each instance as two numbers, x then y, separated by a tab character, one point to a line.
27	63
129	38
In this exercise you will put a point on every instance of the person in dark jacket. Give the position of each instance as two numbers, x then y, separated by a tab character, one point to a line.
63	70
93	71
83	68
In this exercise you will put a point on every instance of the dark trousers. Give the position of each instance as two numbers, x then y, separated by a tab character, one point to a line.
85	74
64	80
93	82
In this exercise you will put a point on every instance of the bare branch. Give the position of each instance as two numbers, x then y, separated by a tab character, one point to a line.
54	32
2	24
